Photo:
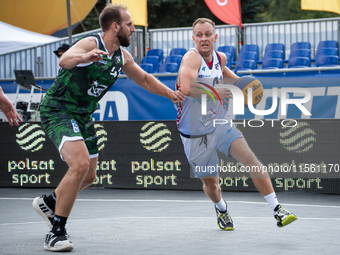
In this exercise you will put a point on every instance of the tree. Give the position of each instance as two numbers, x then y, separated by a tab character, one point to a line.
91	21
253	10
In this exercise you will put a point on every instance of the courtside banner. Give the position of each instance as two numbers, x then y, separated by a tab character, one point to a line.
149	155
128	101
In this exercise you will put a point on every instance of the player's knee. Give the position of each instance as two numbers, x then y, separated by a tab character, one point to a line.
80	167
84	165
212	186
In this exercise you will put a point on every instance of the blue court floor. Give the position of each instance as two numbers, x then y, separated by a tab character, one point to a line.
117	221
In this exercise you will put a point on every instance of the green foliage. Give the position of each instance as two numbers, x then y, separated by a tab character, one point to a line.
291	10
91	22
253	10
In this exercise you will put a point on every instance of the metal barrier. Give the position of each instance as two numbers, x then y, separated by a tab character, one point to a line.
169	38
289	32
286	32
43	62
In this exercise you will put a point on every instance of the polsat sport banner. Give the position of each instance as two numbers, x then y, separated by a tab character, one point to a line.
229	11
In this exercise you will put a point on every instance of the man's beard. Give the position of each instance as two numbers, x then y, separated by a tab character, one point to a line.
123	39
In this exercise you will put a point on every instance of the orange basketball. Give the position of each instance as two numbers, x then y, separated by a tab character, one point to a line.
246	82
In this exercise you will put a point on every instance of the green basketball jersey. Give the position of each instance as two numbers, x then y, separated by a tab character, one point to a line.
79	89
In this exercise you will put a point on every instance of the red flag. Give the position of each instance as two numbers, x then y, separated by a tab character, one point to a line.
229	11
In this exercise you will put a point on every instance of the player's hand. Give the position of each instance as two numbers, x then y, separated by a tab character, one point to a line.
177	97
224	93
13	116
94	55
8	109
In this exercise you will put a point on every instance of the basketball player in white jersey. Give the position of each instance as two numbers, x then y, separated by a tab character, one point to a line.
201	139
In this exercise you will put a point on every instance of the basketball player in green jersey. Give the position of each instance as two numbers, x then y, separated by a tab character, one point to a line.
90	67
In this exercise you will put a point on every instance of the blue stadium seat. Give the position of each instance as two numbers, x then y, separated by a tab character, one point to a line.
274	46
154	60
156	52
228	49
174	59
272	63
274	54
229	61
245	65
299	62
168	68
178	51
324	61
252	55
300	53
147	67
250	47
327	52
300	45
327	44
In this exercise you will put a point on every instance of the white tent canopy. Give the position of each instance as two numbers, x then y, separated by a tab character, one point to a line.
15	38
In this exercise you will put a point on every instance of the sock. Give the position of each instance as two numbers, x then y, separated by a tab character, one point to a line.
59	225
272	201
221	206
50	200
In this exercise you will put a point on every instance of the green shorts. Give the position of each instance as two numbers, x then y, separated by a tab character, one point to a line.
62	126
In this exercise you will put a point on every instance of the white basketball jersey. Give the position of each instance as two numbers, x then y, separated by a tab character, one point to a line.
190	120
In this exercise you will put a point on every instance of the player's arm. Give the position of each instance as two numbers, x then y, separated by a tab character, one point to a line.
84	51
147	81
188	74
228	75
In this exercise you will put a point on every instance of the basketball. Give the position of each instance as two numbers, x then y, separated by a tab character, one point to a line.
246	82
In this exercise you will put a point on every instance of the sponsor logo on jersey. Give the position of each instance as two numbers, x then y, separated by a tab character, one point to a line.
75	126
102	62
96	89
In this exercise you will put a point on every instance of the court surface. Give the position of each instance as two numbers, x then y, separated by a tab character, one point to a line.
117	221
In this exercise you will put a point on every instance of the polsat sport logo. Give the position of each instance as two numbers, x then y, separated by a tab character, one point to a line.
31	137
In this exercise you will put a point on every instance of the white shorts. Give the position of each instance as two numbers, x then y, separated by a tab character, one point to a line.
201	152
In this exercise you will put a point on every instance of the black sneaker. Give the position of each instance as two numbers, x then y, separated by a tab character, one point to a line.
44	211
283	216
55	242
224	220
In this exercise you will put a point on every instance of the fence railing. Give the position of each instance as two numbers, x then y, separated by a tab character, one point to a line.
286	32
169	38
41	60
289	32
44	63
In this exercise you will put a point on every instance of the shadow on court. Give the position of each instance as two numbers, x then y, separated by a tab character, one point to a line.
115	221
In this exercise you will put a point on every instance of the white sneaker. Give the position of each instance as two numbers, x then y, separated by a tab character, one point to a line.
44	211
57	243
